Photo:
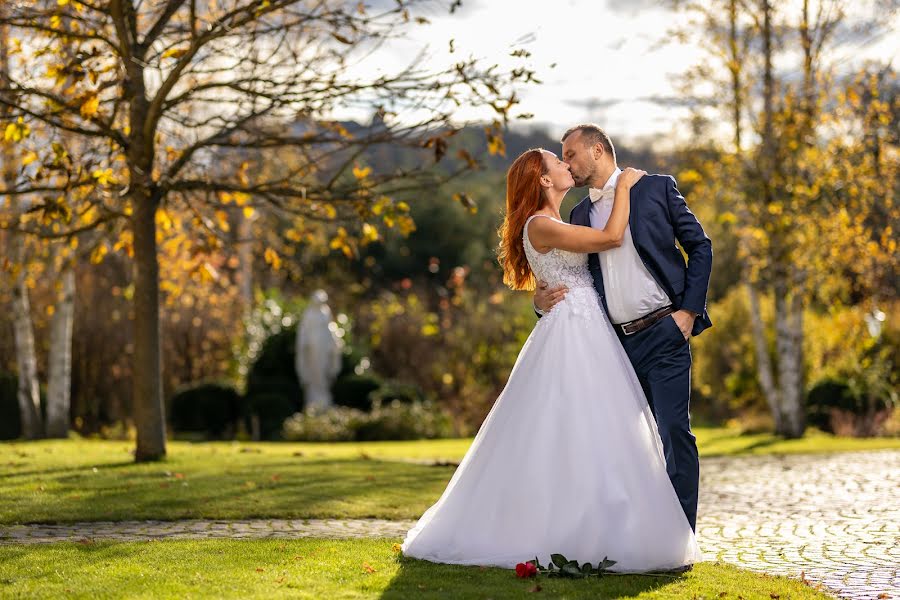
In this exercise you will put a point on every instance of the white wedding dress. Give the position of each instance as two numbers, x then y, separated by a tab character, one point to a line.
568	460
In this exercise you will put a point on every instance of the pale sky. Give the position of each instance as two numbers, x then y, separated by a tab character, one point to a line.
609	62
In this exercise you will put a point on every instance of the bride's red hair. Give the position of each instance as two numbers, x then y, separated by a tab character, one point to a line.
524	197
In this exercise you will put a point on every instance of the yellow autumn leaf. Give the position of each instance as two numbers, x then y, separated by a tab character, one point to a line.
17	131
174	53
369	234
728	217
104	176
361	172
29	158
50	310
98	254
222	220
339	240
272	258
249	212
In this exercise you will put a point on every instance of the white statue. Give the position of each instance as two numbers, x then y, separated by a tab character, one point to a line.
318	352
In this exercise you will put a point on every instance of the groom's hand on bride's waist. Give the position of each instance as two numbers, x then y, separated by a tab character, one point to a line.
685	321
546	297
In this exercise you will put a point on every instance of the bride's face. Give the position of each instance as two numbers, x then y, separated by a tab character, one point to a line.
557	172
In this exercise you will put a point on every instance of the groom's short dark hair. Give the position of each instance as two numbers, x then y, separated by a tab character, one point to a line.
591	134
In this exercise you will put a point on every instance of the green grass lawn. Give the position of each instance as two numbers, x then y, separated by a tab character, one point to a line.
306	568
92	480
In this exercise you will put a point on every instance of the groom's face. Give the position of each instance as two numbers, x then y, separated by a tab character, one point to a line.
578	155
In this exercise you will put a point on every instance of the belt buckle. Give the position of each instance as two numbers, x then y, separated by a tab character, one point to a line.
626	329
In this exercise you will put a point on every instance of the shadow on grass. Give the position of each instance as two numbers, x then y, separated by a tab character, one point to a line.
422	579
317	488
748	449
79	468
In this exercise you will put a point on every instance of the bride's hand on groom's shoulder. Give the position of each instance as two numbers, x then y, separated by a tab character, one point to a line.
629	177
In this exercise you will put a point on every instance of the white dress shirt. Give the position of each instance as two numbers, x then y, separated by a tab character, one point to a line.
631	291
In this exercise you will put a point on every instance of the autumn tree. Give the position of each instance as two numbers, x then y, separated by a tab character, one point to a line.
798	209
181	102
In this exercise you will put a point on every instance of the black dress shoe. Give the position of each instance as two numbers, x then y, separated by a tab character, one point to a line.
675	571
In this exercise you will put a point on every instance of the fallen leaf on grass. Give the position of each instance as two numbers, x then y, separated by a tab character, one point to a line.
279	580
259	569
276	477
396	548
298	454
774	596
370	478
179	475
368	568
884	596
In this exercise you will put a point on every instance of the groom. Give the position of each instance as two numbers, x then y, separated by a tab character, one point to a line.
653	299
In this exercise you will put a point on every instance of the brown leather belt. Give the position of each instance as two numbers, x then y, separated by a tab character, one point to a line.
632	327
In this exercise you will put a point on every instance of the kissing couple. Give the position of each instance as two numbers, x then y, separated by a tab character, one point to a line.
588	451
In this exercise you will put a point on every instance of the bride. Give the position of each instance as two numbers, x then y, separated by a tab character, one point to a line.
569	459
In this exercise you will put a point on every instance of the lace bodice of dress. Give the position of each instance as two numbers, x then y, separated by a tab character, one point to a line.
557	267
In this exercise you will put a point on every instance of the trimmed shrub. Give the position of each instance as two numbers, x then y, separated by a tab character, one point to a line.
353	391
405	421
338	424
10	418
824	396
206	407
395	390
845	407
271	410
273	371
394	421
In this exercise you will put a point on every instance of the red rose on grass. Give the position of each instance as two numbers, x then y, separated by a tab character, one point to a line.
524	570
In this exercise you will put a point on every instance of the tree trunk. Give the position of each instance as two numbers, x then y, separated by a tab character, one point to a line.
764	371
28	392
245	258
60	359
789	340
149	410
26	361
734	67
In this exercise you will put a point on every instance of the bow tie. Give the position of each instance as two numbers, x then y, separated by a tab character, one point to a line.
604	194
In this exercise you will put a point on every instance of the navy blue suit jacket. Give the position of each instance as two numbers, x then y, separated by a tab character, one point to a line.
659	216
